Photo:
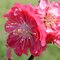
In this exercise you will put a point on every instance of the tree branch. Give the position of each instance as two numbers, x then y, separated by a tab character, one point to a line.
31	57
38	2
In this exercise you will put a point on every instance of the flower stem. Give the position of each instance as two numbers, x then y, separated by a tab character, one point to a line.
31	57
38	2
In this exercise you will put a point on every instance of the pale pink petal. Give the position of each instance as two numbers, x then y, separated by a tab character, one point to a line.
43	4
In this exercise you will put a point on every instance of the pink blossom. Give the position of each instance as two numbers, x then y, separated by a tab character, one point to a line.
51	20
25	30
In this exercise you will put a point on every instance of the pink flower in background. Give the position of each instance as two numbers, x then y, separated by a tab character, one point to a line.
50	15
25	30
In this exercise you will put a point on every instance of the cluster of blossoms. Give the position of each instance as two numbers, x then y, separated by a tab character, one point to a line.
32	27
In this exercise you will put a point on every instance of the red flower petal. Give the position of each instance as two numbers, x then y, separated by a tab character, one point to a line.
36	49
11	25
21	47
18	49
9	55
12	39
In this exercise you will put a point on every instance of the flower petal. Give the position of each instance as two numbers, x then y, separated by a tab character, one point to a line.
43	4
10	26
57	39
54	9
36	49
21	47
9	55
18	49
12	39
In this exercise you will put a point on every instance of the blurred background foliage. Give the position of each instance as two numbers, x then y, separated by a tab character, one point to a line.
52	52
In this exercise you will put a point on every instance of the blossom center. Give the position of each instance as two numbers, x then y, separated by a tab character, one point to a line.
49	20
23	31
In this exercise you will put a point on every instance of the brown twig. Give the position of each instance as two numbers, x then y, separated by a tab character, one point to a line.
31	57
38	2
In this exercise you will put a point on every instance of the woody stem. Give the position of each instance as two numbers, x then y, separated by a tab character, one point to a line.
31	57
38	2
